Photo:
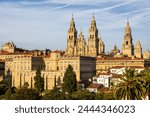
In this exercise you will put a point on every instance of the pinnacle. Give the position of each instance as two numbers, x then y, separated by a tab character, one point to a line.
138	43
72	18
81	32
93	17
128	24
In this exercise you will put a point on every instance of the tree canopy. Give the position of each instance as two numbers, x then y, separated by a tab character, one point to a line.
69	80
39	81
129	88
55	94
26	93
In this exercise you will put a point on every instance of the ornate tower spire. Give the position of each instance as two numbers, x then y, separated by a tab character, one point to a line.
115	46
72	36
93	23
128	28
93	38
138	50
72	23
81	33
127	47
101	46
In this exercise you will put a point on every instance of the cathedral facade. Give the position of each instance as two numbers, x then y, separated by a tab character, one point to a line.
76	45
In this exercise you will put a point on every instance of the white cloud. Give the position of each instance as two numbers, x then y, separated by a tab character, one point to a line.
91	2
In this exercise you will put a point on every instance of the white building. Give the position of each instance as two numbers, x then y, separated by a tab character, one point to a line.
103	79
106	79
120	69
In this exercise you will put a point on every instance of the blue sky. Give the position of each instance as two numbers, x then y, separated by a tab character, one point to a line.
40	24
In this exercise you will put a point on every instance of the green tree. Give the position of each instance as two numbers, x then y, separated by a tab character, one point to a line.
146	81
84	95
26	93
9	95
55	94
8	79
108	96
69	80
129	88
39	81
3	87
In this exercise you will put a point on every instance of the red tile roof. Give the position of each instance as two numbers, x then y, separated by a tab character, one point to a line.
2	51
17	53
2	61
57	51
97	86
47	56
118	58
102	74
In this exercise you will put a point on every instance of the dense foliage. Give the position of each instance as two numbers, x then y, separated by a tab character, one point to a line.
39	81
26	94
55	94
132	86
69	80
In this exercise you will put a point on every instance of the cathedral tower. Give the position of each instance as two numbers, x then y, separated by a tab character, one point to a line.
93	39
127	47
138	50
71	40
81	45
101	47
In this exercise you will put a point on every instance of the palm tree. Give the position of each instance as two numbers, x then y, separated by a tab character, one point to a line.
129	88
146	81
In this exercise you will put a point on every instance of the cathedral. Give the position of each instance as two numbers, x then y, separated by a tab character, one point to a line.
76	44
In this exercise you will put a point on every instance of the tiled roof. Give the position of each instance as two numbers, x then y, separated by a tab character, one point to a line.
102	74
56	51
4	52
47	56
97	86
16	53
2	60
118	58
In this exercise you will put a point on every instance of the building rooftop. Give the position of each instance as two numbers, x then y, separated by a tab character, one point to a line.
2	61
103	74
97	86
15	53
57	51
118	58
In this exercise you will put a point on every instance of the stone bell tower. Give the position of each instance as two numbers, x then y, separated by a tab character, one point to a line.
71	39
138	50
93	39
127	47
